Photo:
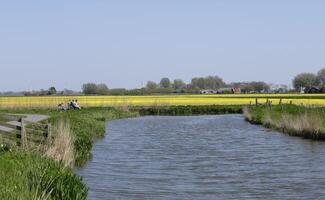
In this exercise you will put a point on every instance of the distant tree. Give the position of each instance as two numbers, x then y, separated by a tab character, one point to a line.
118	91
213	82
42	92
67	92
89	88
102	89
321	77
151	85
197	82
209	82
165	83
259	86
306	80
179	84
51	91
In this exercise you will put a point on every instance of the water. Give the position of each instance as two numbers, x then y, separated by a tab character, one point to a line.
203	157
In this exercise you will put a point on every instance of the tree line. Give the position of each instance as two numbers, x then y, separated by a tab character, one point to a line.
167	86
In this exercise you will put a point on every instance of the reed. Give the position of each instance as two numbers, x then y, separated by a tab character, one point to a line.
62	146
307	122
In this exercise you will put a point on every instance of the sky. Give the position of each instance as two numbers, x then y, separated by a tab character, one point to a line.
126	43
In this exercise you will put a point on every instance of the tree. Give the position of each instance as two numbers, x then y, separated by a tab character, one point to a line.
102	89
209	82
197	82
321	77
178	84
51	91
151	85
213	82
259	86
165	83
306	80
89	88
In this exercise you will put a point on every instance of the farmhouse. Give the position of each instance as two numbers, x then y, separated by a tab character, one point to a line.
314	90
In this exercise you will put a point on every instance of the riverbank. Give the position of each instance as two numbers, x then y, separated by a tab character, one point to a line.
306	122
29	174
188	110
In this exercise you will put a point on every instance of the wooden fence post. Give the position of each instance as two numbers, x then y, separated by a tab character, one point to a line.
23	139
256	102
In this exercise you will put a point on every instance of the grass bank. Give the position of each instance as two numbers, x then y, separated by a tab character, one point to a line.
24	175
306	122
188	110
29	174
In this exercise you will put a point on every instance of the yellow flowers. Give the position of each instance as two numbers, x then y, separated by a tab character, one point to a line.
161	100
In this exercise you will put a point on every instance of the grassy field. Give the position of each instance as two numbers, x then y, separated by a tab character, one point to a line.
161	100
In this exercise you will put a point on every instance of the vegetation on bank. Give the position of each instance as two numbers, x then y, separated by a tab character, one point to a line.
25	175
307	122
34	173
188	110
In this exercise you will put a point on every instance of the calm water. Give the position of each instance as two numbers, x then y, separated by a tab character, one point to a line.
203	157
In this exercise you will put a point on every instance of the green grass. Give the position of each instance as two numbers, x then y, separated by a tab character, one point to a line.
188	110
27	175
307	122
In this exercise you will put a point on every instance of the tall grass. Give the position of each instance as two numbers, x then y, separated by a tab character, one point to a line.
30	176
307	122
61	147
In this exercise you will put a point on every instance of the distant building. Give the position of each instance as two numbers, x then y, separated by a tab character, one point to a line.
314	90
236	90
222	91
208	92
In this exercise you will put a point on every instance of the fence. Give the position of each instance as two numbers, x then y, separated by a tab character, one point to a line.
25	134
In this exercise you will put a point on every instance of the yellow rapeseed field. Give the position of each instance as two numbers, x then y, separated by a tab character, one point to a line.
161	100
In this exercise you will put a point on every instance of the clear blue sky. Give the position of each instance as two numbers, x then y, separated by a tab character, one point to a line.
125	43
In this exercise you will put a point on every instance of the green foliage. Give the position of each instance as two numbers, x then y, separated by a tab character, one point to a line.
95	89
51	91
29	176
307	122
151	85
209	82
306	80
165	83
188	110
179	84
321	76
